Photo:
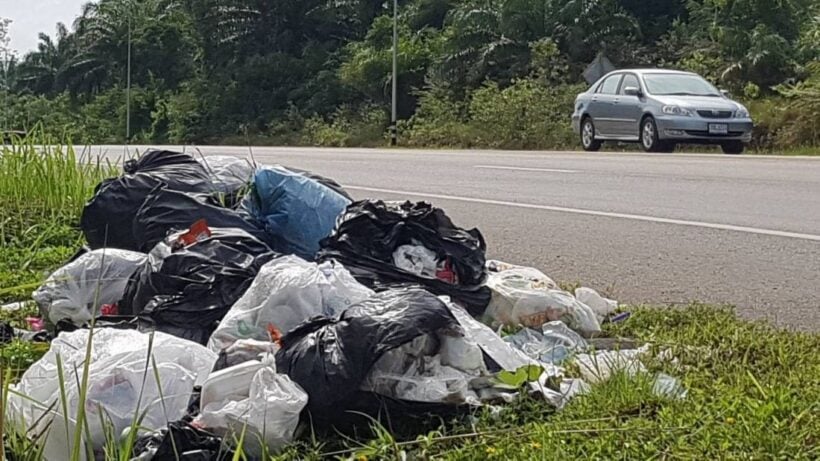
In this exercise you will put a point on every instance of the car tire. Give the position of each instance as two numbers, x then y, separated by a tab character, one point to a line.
649	137
732	147
588	141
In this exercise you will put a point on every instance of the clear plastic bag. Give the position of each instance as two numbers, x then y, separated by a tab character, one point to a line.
228	174
78	290
525	296
268	409
116	376
286	292
602	307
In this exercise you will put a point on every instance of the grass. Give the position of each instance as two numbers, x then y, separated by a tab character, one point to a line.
753	390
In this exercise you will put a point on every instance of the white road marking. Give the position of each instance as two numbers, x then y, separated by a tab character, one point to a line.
517	168
608	214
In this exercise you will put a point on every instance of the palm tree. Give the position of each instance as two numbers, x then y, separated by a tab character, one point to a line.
40	70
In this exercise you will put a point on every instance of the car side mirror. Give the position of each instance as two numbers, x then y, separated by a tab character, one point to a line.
725	93
632	91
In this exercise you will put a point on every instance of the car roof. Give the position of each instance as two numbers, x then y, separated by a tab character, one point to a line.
653	71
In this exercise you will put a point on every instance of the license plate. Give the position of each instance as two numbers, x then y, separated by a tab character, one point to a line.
718	128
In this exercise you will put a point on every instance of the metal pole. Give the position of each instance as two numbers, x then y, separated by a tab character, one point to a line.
128	87
393	127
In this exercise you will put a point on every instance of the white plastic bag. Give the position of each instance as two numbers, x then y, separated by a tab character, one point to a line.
525	296
416	259
602	307
116	376
267	407
286	292
71	292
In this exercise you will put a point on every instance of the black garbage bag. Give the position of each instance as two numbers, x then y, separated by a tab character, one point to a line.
164	211
181	441
330	358
186	292
8	334
107	219
370	231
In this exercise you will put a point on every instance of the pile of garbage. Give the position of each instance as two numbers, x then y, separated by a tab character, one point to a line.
229	299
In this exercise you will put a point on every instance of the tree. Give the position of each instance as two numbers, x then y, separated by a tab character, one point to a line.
40	71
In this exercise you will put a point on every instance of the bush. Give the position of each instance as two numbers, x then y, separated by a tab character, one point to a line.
525	115
347	127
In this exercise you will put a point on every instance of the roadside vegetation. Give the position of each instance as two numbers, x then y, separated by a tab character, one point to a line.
752	390
472	73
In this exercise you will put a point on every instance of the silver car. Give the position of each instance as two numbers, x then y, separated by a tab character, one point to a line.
659	109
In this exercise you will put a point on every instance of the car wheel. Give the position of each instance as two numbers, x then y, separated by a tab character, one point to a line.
649	137
732	147
588	141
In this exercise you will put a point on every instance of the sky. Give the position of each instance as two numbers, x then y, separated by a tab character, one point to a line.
30	17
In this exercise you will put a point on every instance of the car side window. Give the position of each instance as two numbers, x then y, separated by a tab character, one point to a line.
610	85
629	80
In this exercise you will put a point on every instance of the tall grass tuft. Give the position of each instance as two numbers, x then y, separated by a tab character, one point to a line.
44	177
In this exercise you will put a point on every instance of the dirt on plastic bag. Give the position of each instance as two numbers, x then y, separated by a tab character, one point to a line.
295	210
77	291
187	291
107	219
331	357
117	378
370	232
287	292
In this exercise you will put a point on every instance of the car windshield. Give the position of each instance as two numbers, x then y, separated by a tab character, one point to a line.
678	85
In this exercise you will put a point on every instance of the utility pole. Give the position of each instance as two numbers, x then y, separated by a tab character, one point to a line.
393	127
128	86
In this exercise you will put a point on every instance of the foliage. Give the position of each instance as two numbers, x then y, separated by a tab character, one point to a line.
216	70
525	115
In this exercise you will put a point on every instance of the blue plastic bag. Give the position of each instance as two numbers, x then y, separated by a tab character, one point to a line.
294	209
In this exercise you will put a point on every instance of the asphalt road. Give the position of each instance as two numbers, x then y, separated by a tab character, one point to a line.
660	229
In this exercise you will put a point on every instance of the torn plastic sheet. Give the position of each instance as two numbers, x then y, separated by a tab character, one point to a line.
554	344
599	366
116	380
77	291
500	352
287	292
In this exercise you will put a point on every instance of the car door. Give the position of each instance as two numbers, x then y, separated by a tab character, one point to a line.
601	106
627	109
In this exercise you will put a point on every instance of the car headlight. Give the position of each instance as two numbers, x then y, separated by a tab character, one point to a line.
677	110
742	113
